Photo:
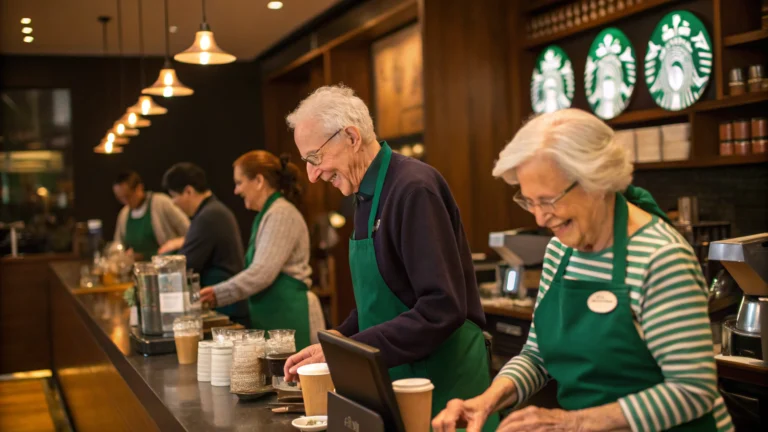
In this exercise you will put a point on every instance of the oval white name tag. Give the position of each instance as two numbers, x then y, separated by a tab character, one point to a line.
602	302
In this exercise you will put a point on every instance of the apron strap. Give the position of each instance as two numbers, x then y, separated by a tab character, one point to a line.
620	242
381	175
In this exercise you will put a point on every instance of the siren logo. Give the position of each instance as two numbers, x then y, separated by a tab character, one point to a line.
610	74
552	84
351	424
679	61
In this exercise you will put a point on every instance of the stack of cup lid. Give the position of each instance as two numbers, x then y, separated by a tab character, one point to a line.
204	360
221	364
759	135
741	136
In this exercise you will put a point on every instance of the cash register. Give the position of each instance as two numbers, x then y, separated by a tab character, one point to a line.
520	249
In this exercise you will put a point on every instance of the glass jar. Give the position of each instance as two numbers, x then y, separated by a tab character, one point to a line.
246	374
172	283
281	342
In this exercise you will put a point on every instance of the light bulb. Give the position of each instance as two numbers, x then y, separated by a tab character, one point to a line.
26	30
108	147
168	79
205	42
111	137
26	20
145	105
205	58
132	119
120	129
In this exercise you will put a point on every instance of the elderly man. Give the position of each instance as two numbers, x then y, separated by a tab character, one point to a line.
415	291
147	219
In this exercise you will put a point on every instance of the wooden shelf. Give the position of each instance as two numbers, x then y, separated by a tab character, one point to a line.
600	22
747	38
704	162
534	6
653	114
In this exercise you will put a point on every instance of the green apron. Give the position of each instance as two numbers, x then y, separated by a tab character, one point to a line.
139	234
598	358
459	366
283	305
238	311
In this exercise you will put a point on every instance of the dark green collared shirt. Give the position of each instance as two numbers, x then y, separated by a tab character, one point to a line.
368	184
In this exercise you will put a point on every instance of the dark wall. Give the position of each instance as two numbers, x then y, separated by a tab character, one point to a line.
211	128
738	194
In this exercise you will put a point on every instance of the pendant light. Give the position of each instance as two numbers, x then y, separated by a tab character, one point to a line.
110	141
204	50
167	83
134	120
145	105
121	127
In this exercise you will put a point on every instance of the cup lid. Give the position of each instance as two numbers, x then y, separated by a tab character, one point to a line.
314	369
206	344
412	385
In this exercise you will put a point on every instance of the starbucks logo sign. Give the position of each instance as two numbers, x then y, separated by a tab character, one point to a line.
679	61
552	83
610	74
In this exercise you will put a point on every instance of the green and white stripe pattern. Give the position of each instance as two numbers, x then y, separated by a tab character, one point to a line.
668	295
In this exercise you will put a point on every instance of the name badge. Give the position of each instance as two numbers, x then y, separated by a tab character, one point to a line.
602	302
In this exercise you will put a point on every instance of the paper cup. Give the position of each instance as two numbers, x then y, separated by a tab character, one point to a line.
414	397
315	384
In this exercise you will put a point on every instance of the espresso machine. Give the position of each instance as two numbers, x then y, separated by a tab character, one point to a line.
520	249
743	362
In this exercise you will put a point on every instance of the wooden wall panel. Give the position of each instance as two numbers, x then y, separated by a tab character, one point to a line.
467	114
24	316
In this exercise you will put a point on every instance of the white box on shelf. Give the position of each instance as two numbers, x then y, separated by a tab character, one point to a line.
648	142
676	150
626	138
676	132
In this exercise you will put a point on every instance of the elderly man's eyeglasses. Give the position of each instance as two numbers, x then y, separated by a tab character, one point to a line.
547	206
315	157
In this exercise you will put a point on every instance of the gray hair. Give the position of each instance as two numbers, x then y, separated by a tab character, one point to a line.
334	107
580	143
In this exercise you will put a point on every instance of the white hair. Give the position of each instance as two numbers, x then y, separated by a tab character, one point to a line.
334	107
580	143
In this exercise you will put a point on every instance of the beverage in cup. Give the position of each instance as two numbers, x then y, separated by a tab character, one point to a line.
315	384
414	397
187	332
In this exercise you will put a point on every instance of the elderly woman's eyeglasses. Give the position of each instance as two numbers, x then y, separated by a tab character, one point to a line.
547	206
315	157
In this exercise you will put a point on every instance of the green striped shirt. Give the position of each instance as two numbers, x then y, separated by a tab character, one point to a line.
668	297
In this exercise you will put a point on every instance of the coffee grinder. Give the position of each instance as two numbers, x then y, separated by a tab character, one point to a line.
743	362
746	260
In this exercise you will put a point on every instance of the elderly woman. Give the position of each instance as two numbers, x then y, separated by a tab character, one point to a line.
620	321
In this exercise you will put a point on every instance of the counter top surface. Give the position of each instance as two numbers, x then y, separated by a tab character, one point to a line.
197	406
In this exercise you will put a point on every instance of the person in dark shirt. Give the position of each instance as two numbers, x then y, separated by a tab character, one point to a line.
212	245
414	283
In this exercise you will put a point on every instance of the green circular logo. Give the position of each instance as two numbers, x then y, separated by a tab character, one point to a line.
610	74
552	83
679	61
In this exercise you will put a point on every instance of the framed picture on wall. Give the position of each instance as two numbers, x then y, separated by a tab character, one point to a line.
397	84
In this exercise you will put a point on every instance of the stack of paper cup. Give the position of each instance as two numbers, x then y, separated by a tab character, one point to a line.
221	364
204	361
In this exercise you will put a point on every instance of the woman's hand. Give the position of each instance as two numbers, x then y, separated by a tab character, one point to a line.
171	245
309	355
208	296
470	414
540	420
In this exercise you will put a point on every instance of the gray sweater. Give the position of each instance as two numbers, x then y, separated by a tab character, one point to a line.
168	222
282	246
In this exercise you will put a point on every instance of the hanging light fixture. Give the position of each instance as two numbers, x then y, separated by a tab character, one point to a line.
134	120
145	105
121	127
110	140
204	50
167	83
107	147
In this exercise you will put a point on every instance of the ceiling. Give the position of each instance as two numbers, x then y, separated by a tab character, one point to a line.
244	28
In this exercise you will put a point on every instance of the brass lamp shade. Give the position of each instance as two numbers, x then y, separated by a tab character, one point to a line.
113	138
168	85
122	130
107	147
134	120
204	50
147	106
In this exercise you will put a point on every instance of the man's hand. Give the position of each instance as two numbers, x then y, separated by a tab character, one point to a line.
171	245
309	355
540	419
208	296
